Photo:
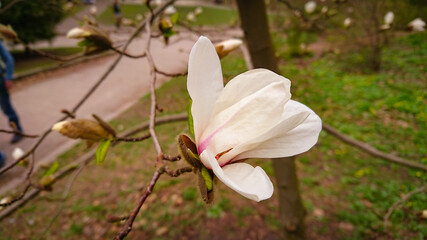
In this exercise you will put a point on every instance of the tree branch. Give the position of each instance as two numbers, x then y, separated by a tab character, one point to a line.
371	150
403	199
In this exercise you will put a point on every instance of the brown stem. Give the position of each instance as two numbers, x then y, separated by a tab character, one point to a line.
171	159
371	150
177	172
138	139
18	132
4	9
396	204
129	222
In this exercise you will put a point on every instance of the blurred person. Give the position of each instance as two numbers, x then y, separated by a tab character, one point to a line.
6	76
117	14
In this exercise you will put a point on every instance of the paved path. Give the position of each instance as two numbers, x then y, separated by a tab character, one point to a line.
39	105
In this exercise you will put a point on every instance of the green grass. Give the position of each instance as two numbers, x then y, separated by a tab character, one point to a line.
26	62
386	110
355	190
210	17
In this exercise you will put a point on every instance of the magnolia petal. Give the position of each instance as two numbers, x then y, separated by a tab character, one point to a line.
204	83
288	143
247	84
252	183
246	119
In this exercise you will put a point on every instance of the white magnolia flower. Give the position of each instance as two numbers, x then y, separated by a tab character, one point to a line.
191	17
389	18
93	10
417	25
198	11
251	117
170	10
347	22
310	6
17	153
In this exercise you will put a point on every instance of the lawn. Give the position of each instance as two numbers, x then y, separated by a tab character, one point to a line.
25	62
346	191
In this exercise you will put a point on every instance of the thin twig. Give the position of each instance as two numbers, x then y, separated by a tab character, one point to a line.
371	150
18	132
128	225
27	185
403	199
64	197
9	6
137	139
128	54
177	172
170	74
171	159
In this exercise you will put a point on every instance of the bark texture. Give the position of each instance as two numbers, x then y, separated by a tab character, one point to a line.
253	16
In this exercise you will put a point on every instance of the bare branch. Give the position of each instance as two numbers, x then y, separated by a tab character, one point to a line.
18	132
371	150
128	225
398	203
177	172
9	6
138	139
171	159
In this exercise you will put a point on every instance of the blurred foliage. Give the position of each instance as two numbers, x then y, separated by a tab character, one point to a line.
33	20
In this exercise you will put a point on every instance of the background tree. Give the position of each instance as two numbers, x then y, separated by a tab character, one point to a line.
33	20
253	16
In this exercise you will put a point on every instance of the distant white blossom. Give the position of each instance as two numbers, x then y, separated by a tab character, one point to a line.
389	18
347	22
417	25
324	9
170	10
310	6
191	17
198	11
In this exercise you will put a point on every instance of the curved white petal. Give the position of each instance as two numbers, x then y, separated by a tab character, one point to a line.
288	143
204	83
248	83
248	181
245	120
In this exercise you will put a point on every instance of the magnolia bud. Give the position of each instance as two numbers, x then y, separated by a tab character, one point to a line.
8	33
82	128
94	34
225	47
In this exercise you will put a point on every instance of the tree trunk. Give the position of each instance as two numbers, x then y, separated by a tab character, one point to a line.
253	17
